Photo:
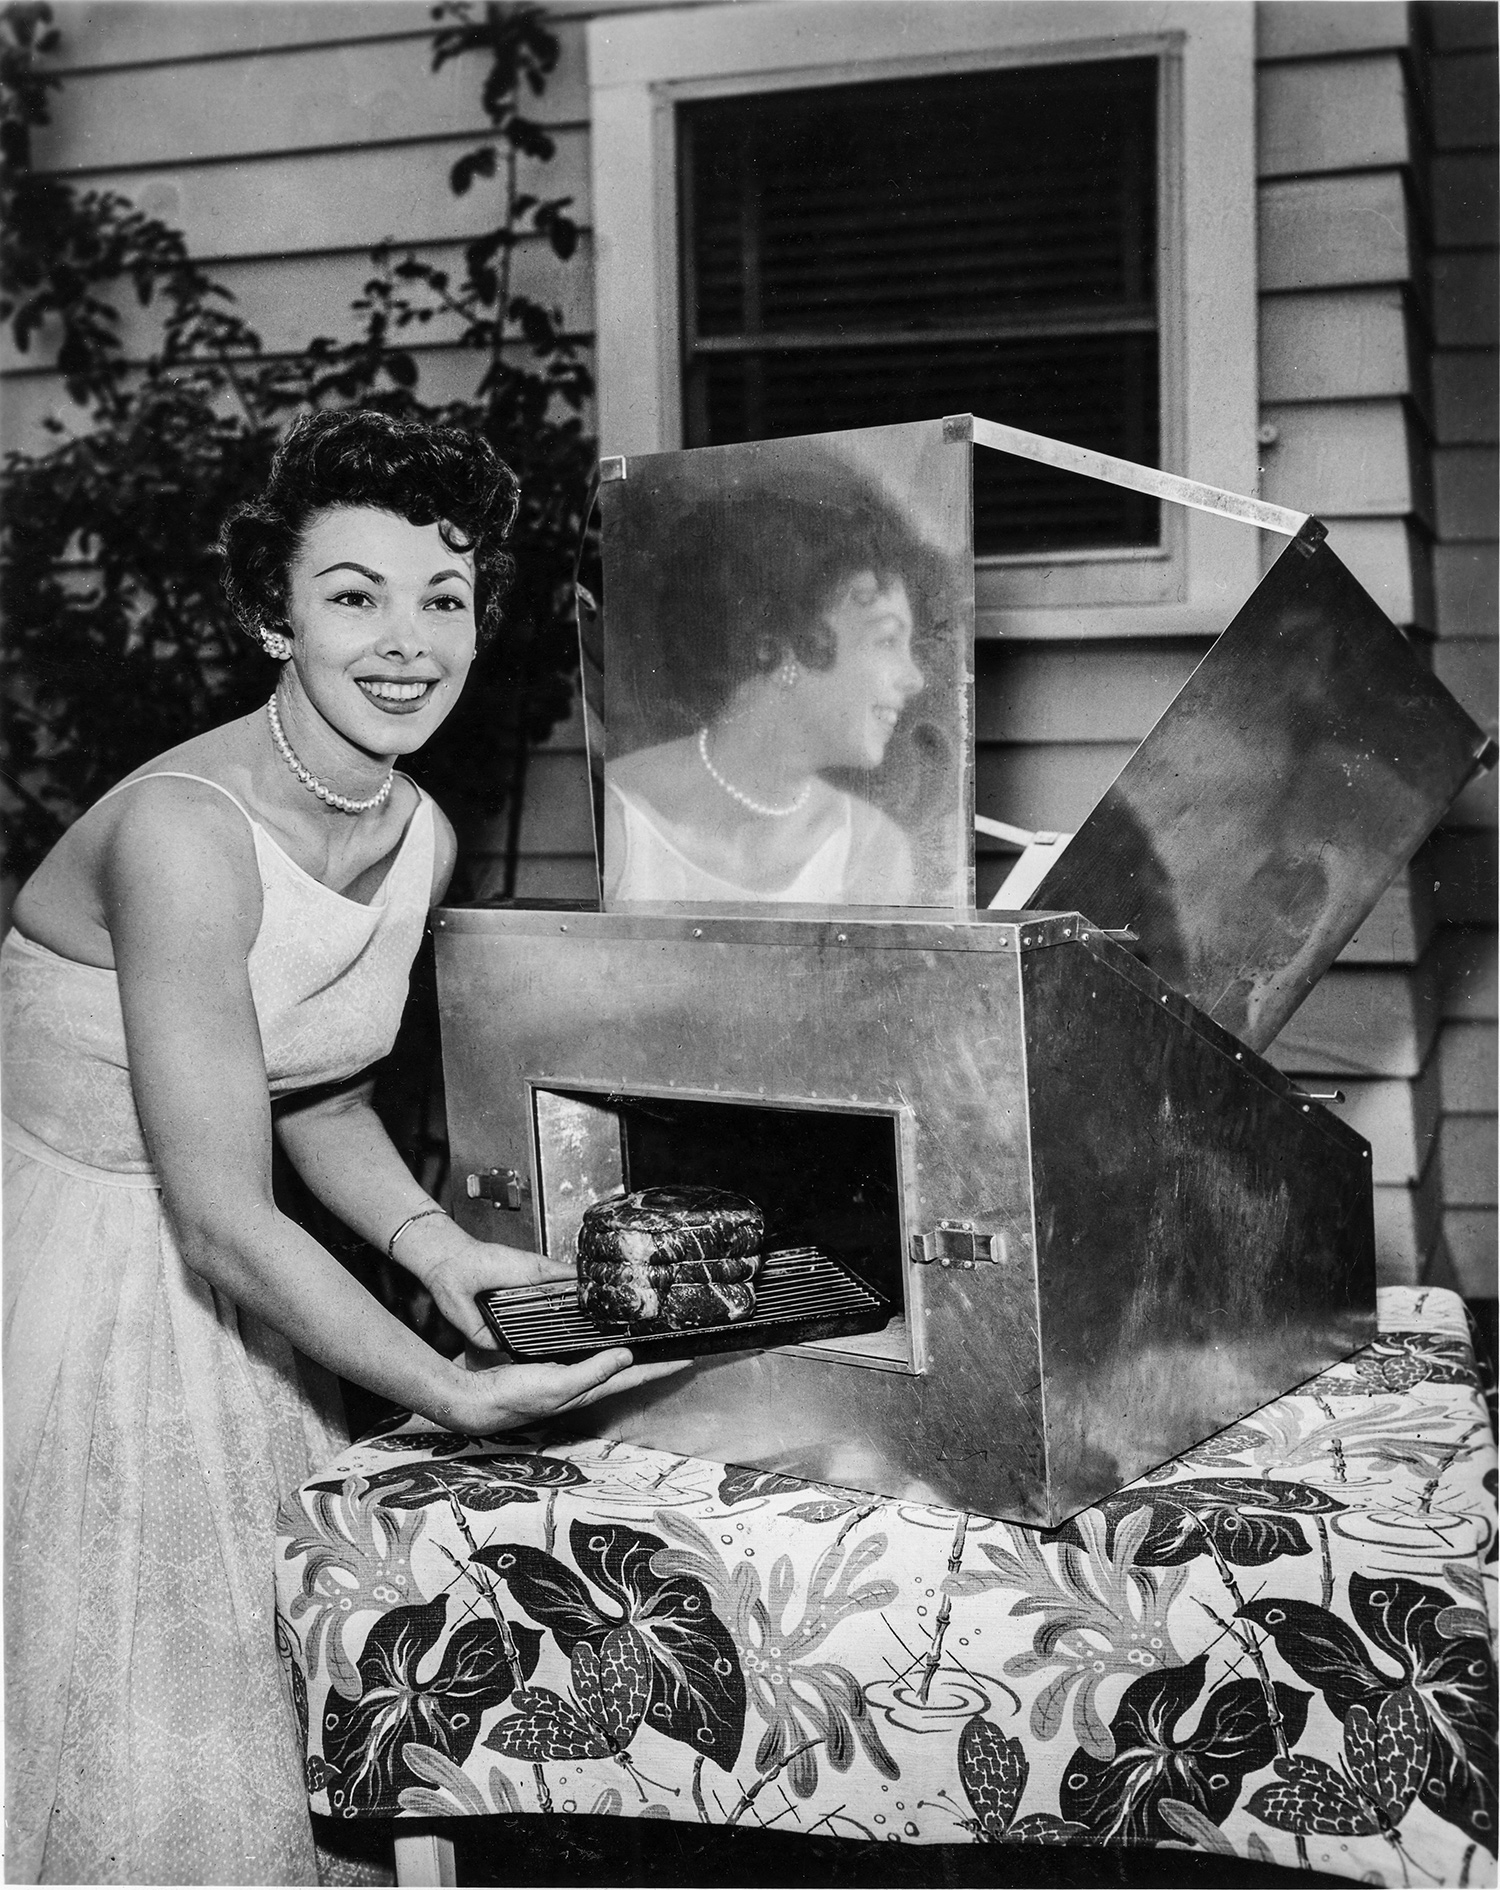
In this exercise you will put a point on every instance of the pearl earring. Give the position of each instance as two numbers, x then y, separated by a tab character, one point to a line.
277	646
787	675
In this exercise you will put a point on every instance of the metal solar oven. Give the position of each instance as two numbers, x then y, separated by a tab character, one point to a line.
1040	1215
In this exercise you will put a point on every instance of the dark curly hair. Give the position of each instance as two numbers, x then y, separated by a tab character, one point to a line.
742	577
428	475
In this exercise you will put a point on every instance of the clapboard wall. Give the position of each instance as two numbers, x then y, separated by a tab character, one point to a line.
285	139
1465	275
1376	153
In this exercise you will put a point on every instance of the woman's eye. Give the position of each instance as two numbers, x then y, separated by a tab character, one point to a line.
351	597
446	601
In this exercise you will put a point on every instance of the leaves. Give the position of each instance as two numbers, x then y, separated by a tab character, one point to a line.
698	1690
1101	1615
822	1509
1119	1798
611	1690
472	164
1385	1759
1450	1678
993	1771
1250	1521
365	1740
1312	1797
453	1792
1321	1649
1387	1755
738	1484
110	574
1395	1361
355	1559
483	1483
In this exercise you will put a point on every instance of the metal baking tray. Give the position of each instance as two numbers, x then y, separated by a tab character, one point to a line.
800	1295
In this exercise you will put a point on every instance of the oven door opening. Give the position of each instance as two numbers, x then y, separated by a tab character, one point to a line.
828	1179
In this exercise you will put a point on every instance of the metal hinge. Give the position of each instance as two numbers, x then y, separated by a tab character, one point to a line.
956	1244
501	1187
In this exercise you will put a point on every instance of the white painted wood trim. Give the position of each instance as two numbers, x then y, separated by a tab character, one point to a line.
642	64
422	1857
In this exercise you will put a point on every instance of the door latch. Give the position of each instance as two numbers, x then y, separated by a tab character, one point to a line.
501	1187
957	1244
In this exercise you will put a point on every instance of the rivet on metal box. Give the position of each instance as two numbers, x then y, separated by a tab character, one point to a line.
1086	1224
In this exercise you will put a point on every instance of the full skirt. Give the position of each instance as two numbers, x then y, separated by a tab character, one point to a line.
151	1432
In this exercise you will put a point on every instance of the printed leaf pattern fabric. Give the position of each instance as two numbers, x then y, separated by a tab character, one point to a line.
697	1691
1118	1798
1445	1679
1277	1648
401	1702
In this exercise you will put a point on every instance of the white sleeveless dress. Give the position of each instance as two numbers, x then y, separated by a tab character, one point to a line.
152	1429
654	867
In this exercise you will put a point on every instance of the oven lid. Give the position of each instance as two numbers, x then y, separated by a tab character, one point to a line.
1300	767
1303	763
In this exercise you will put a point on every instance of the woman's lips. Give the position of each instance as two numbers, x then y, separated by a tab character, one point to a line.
396	698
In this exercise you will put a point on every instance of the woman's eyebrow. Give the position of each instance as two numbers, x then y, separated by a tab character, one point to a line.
462	576
348	564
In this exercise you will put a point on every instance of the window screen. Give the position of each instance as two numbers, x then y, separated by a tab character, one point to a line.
856	255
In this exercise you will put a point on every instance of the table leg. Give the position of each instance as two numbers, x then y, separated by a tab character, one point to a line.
424	1857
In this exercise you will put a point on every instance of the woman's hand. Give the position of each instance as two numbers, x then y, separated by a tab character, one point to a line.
510	1396
490	1393
453	1266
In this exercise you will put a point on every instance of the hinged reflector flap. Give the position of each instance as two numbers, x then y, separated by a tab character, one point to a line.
1304	762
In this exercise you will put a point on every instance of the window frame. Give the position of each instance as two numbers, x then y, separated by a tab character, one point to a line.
643	65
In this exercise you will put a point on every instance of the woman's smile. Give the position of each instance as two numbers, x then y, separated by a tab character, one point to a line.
397	697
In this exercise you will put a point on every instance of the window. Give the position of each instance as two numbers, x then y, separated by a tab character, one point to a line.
773	185
857	255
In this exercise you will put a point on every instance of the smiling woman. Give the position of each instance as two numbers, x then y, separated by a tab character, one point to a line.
208	960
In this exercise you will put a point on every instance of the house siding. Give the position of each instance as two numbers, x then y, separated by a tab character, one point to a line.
286	139
1377	167
1465	273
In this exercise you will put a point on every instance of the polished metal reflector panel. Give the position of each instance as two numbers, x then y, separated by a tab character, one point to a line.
800	1295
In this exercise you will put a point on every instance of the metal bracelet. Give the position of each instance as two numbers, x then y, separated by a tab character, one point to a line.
420	1215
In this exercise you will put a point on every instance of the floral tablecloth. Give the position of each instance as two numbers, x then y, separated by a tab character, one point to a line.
1279	1647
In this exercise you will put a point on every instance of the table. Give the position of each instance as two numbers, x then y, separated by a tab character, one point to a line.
1279	1647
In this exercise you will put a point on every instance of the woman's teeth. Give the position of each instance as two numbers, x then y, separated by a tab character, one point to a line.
395	691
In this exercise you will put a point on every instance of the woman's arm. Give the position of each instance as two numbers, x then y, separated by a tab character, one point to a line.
182	901
339	1146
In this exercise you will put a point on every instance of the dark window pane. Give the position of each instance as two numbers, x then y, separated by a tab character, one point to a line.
984	242
1078	389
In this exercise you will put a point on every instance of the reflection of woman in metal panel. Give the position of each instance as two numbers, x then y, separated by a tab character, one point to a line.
785	620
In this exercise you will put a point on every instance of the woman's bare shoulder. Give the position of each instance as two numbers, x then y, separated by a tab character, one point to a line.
194	793
152	841
665	776
180	851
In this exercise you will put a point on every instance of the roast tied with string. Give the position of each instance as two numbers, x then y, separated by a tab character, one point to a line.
669	1257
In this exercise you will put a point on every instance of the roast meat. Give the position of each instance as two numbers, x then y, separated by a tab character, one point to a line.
674	1256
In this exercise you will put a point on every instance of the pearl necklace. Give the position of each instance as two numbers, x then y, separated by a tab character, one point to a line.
736	794
311	782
